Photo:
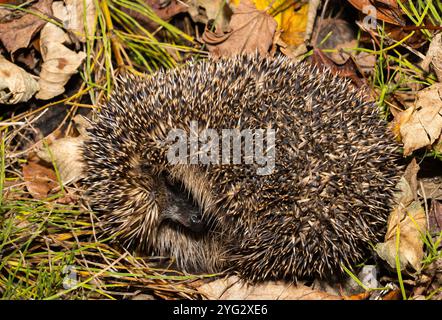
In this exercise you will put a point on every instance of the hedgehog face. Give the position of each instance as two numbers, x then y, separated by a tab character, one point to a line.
161	200
178	206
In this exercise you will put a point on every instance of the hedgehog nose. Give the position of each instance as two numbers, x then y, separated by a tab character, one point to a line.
196	222
195	218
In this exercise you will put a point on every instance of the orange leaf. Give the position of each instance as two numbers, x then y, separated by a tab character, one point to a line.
39	180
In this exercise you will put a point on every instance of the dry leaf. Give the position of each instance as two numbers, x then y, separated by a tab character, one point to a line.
203	11
251	30
336	34
66	152
346	70
39	180
165	12
431	187
17	33
295	53
408	219
435	217
399	120
16	85
434	57
365	62
425	124
393	295
59	62
73	17
295	19
293	25
385	10
67	156
232	288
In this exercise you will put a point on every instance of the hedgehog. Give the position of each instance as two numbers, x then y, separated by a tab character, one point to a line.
306	191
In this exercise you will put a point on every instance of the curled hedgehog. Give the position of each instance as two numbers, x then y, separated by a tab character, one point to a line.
323	202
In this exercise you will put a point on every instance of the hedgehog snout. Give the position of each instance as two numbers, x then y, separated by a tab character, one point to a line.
181	208
189	218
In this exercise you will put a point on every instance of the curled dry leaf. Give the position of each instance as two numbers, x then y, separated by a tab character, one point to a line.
407	220
251	30
17	33
424	125
59	62
39	180
16	85
232	288
67	156
66	152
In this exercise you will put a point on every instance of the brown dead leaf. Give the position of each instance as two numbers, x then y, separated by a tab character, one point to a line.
425	124
74	17
335	34
347	70
251	30
295	53
431	187
67	156
384	10
435	217
232	288
433	58
39	180
407	186
17	33
365	62
59	62
164	12
16	85
407	220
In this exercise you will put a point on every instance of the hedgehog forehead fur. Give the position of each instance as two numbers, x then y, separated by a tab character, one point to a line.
327	198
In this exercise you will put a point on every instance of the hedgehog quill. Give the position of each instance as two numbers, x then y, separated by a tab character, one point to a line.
325	199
